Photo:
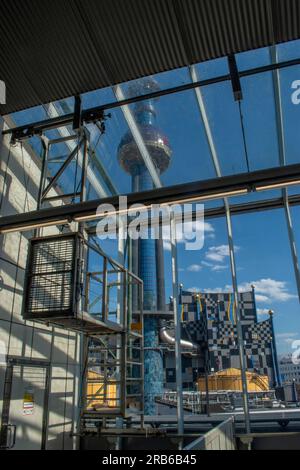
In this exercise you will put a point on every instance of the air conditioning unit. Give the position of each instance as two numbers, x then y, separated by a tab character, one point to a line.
59	287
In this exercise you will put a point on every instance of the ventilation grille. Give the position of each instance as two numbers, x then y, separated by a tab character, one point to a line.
50	278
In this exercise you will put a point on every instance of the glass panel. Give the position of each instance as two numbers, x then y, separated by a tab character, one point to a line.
224	120
290	103
252	59
288	50
258	111
105	148
264	260
256	196
27	116
212	68
165	80
207	269
95	98
176	121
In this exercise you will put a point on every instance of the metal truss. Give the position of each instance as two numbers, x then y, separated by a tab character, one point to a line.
97	113
198	191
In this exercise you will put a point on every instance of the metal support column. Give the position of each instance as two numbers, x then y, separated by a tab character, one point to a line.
121	340
274	352
282	159
292	240
215	159
177	324
45	145
238	320
45	152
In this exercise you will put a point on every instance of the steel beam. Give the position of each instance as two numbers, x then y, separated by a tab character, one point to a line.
62	169
68	139
94	114
238	209
196	191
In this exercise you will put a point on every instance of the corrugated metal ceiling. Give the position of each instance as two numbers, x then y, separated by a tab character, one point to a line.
54	49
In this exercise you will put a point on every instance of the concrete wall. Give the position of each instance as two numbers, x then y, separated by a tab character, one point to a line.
19	179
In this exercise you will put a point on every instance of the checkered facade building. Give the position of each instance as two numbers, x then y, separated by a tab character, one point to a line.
208	319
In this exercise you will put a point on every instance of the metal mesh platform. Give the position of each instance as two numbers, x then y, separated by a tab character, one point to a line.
61	290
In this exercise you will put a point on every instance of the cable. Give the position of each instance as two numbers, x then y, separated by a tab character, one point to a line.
66	390
5	175
244	135
26	179
76	173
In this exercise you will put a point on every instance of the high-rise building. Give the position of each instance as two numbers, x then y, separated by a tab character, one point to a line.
147	254
289	369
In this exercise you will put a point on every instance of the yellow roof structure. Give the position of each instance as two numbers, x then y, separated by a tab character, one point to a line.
230	379
101	392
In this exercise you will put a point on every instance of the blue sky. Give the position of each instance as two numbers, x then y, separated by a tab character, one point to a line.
262	258
261	241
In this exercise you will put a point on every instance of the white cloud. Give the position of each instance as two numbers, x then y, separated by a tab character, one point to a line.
289	340
286	335
217	290
266	291
194	289
214	267
191	228
208	265
194	268
219	267
269	290
208	227
262	311
218	253
209	230
261	298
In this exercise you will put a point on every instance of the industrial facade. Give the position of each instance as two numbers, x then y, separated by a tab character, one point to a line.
209	320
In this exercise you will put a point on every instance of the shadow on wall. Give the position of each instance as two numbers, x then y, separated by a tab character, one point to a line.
28	340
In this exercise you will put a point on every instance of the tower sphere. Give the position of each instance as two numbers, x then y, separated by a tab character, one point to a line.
154	139
156	143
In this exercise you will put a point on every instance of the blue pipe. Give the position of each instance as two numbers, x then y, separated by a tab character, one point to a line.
153	357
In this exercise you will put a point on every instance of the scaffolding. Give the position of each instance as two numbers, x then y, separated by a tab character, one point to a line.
62	290
71	283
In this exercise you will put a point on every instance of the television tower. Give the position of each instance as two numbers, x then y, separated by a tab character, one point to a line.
147	254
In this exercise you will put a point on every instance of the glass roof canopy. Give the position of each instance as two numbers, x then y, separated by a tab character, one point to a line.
210	136
201	124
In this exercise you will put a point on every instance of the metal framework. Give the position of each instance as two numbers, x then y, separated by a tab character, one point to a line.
282	160
237	92
220	188
216	188
114	363
62	290
97	113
